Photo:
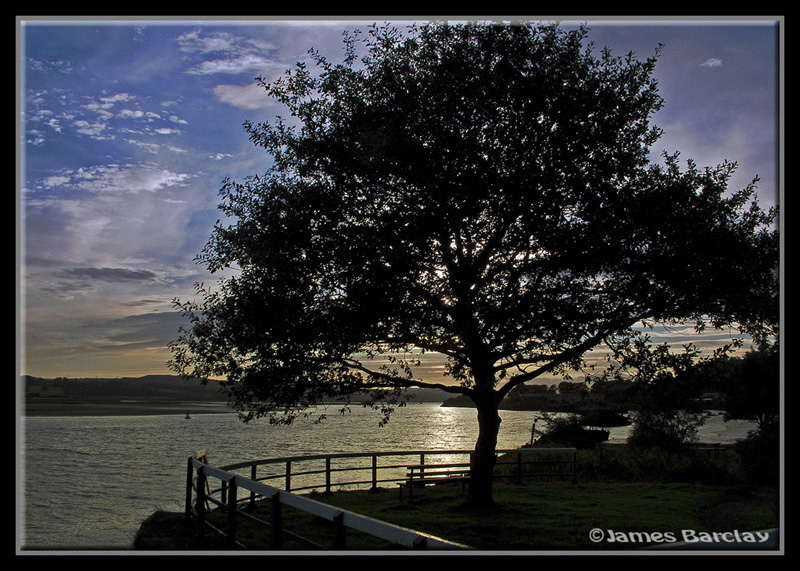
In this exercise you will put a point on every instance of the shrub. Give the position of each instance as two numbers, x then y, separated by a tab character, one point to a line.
760	455
570	431
664	430
624	463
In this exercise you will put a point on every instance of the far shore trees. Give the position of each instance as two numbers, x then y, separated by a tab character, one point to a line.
480	191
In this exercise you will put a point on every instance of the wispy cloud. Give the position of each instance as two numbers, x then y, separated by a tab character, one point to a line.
156	329
116	178
233	65
111	274
59	66
712	62
247	97
226	53
102	118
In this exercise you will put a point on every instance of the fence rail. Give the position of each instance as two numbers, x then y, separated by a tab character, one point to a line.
515	463
237	492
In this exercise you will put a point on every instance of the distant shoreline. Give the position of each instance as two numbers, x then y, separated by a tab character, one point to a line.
122	408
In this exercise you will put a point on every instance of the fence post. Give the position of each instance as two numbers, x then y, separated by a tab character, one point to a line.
574	466
189	475
253	477
328	475
288	485
339	531
201	502
374	472
231	505
276	519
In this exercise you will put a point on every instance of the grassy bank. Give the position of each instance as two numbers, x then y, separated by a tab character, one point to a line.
534	517
618	492
560	516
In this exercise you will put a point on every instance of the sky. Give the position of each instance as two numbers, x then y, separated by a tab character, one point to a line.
128	127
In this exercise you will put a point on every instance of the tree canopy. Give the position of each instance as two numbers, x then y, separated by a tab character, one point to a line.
480	191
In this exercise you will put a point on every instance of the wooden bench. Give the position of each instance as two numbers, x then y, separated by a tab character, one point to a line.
420	475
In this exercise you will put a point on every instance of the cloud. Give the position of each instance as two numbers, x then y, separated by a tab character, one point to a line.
154	329
141	302
65	289
116	178
198	41
247	97
712	62
232	65
103	118
95	130
57	180
115	216
111	274
80	282
59	66
226	53
80	344
138	114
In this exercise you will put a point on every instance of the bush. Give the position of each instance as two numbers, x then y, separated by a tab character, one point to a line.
664	430
760	455
570	431
624	463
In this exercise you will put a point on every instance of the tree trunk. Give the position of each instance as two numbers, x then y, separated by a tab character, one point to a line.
484	456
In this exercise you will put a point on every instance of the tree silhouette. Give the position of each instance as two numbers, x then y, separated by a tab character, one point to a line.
480	191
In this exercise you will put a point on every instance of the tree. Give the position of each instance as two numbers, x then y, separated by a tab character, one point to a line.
752	387
480	191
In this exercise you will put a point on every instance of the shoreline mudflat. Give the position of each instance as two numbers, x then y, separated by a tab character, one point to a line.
121	408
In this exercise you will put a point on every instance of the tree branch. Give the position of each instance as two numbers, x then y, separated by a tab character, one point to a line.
389	380
566	355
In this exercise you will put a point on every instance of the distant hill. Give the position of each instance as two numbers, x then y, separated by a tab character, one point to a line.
150	387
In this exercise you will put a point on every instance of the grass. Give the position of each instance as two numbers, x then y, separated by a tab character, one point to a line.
618	493
559	516
531	517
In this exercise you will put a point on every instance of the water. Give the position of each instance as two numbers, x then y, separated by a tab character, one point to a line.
87	483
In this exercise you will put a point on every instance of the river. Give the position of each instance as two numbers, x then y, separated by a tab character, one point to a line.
87	482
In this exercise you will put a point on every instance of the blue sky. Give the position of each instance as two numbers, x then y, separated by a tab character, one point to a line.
128	128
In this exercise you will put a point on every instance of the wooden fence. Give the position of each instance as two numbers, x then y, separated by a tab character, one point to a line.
237	492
